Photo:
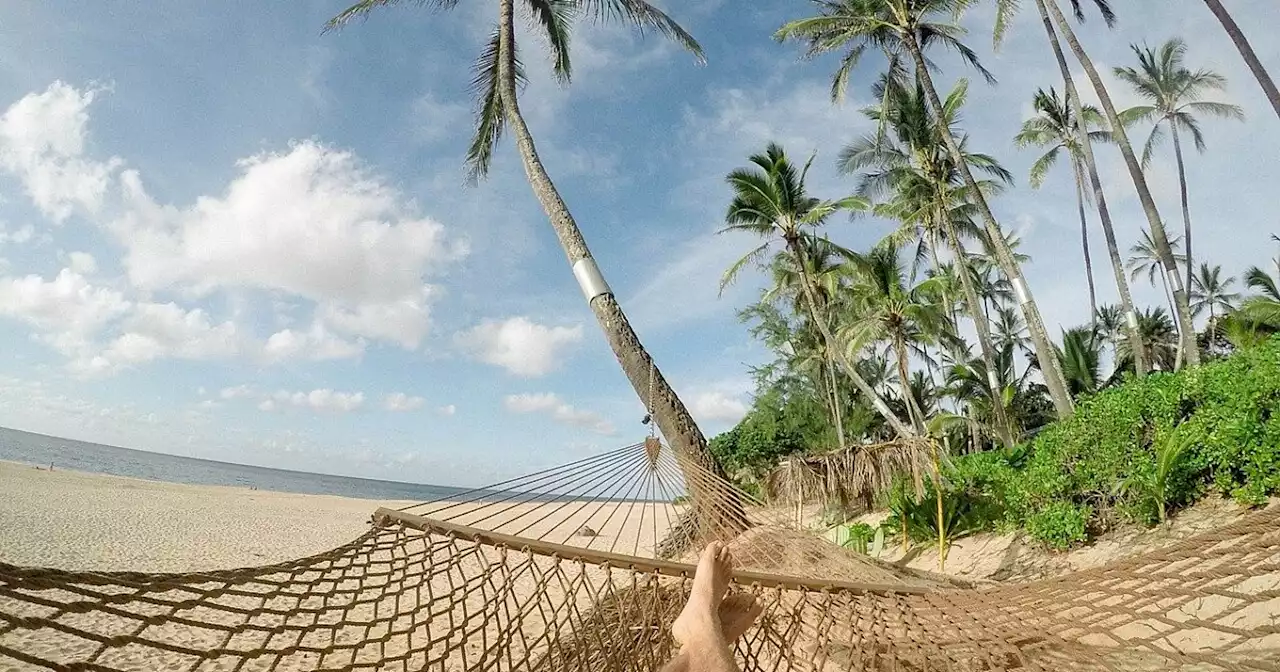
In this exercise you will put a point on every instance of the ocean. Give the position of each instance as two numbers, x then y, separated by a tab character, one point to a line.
38	449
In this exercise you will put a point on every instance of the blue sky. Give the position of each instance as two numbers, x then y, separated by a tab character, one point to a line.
227	235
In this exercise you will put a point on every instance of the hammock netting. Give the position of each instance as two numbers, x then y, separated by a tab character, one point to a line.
583	567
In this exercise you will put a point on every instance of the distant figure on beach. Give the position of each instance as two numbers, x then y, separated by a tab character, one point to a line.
710	623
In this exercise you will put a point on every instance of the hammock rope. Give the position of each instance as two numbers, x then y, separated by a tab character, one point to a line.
508	578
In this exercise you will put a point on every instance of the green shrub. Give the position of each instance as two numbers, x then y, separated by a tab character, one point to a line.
1059	525
1151	443
858	536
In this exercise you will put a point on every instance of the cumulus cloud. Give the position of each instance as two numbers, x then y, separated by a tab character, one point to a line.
400	402
42	139
717	407
311	222
317	400
316	344
447	410
551	405
519	345
82	263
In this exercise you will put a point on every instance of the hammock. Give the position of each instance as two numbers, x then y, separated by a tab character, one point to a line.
583	567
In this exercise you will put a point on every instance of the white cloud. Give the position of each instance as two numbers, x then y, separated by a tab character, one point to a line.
317	400
317	344
42	138
717	407
550	404
237	392
165	330
447	410
24	234
82	263
67	306
400	402
519	345
311	221
404	321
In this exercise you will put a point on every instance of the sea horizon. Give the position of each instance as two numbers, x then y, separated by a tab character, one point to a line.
43	450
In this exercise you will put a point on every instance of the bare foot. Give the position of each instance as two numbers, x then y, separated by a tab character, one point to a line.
699	621
737	613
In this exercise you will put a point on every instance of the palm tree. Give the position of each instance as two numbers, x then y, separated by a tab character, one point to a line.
1173	92
1144	258
1264	308
1159	337
498	73
1011	330
1049	8
1211	292
1081	356
1055	128
906	28
1051	15
925	190
884	307
771	202
1246	52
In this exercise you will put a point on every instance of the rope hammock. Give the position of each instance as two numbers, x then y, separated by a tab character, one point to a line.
583	567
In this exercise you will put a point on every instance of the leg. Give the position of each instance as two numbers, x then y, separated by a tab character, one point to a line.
710	623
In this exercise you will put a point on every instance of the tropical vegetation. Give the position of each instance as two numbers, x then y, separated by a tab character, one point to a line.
916	372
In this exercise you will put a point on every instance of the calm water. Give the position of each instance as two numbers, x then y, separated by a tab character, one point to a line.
38	449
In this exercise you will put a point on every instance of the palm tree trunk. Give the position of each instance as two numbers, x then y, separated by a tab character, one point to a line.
1084	242
1186	209
904	382
983	327
835	398
1186	330
1099	197
810	295
1246	51
1004	256
668	411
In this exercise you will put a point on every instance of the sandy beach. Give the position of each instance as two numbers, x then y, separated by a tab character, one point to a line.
74	520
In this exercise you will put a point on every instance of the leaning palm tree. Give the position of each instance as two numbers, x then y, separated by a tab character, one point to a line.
1246	52
885	307
1051	16
903	30
1211	292
771	202
498	75
1055	127
1145	259
1173	92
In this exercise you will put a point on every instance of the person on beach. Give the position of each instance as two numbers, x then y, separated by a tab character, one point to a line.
710	623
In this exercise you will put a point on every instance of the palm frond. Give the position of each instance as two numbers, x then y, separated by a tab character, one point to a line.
362	10
556	19
491	117
644	16
753	257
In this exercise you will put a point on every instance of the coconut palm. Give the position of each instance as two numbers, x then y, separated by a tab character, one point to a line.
1081	356
1264	308
1145	259
1055	22
903	30
886	308
1057	127
1173	92
498	75
1054	127
1211	292
925	192
1246	52
1159	337
771	202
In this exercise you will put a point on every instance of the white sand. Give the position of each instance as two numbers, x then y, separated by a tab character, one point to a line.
74	520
